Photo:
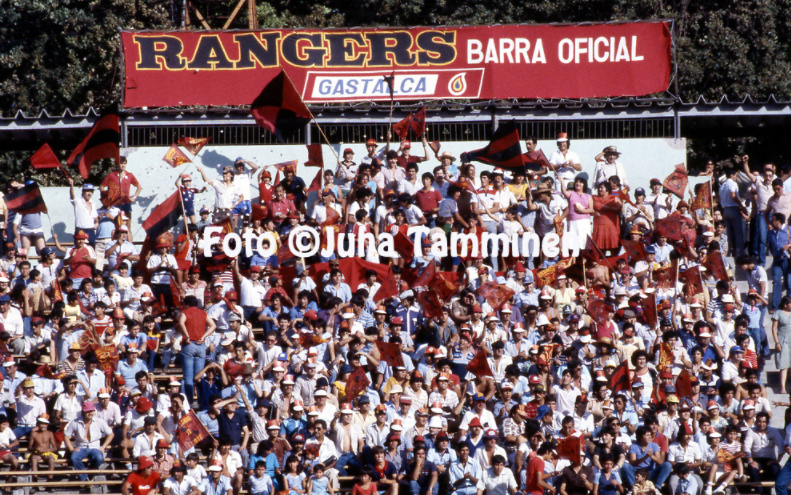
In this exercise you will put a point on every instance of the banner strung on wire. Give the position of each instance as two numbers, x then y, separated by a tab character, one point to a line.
167	69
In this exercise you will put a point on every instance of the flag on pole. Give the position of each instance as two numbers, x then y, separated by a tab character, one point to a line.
716	265
620	380
435	146
175	157
279	108
502	151
418	122
44	158
401	127
703	197
356	383
390	353
164	217
315	184
479	365
315	156
101	142
26	200
535	160
193	145
677	181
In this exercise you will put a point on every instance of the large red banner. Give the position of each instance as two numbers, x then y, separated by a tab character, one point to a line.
166	69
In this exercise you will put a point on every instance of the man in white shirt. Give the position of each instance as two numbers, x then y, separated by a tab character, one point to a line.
565	162
86	217
732	212
607	165
87	434
762	191
662	203
498	479
11	319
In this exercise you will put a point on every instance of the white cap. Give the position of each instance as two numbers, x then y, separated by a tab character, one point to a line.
727	298
542	320
278	368
215	468
320	393
396	389
435	422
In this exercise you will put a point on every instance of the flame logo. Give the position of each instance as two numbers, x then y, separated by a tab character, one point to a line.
458	85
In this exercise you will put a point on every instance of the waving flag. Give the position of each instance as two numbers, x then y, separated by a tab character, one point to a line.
164	217
390	353
101	142
479	365
677	181
665	277
279	108
44	158
649	309
669	227
432	306
634	249
356	383
193	145
435	146
26	200
570	448
703	198
495	294
190	431
315	156
691	277
175	157
418	122
308	340
444	284
599	311
716	265
535	160
620	379
502	151
425	275
401	127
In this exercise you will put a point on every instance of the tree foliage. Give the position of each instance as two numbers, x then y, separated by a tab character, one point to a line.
59	54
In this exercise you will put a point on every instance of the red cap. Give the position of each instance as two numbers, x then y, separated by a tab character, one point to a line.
475	422
144	462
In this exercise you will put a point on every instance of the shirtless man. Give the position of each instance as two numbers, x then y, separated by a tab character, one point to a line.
42	445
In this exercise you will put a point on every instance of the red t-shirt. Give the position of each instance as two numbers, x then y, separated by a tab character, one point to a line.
536	465
125	184
403	162
428	201
140	485
358	490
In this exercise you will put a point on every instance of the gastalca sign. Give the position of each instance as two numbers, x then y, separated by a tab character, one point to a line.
477	62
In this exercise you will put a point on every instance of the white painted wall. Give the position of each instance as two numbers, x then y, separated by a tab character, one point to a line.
643	159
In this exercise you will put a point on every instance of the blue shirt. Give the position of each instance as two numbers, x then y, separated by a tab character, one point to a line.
205	390
212	424
776	240
647	463
208	487
128	372
232	427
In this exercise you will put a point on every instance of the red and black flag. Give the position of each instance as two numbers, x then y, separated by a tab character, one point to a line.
634	249
702	198
26	200
315	156
193	145
665	277
599	311
479	365
418	122
435	146
535	160
503	150
279	108
694	282
495	294
669	227
571	448
648	306
432	306
401	127
101	142
164	217
620	380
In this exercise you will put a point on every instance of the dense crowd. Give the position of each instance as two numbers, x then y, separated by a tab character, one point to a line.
269	346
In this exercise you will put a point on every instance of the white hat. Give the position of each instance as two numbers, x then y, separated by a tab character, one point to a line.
492	318
715	435
621	291
704	334
347	409
228	340
396	389
104	395
320	393
407	293
542	320
585	339
727	298
278	368
435	422
215	468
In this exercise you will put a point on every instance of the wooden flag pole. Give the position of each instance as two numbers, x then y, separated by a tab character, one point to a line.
321	131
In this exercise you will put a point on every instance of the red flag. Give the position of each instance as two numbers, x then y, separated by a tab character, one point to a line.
634	249
175	157
190	431
691	277
101	142
548	276
716	265
669	227
434	145
535	160
401	127
432	306
684	384
174	289
44	158
677	181
495	294
600	311
665	277
390	353
315	156
503	150
26	200
426	275
356	383
404	246
625	197
418	122
388	287
279	108
233	369
164	217
193	145
570	448
591	251
57	294
479	365
284	253
282	165
315	184
649	309
444	286
703	197
620	379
